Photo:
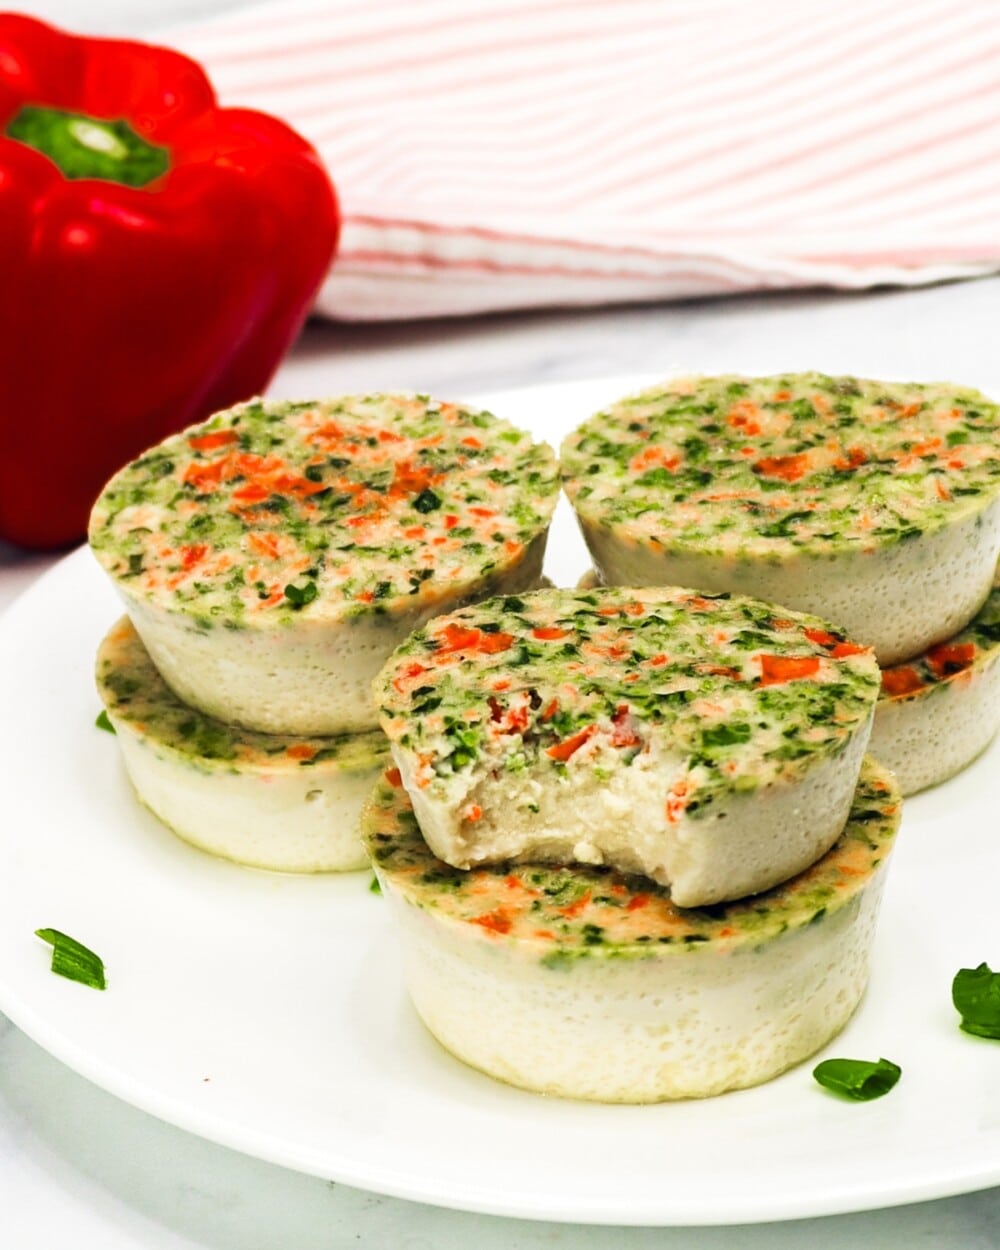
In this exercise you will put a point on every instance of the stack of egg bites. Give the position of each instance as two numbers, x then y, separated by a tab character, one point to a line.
874	504
631	837
269	560
629	832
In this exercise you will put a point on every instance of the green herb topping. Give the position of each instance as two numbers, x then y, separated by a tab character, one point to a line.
770	466
73	960
976	995
132	688
102	722
366	504
299	596
745	692
558	913
858	1079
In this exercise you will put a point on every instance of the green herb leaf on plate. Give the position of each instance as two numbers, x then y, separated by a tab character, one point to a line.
976	995
73	960
103	722
858	1079
374	887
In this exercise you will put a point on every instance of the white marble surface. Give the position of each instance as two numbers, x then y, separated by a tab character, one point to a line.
80	1168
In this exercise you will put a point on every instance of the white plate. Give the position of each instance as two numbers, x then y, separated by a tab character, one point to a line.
267	1012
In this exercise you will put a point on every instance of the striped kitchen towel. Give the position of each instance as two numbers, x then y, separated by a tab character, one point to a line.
497	154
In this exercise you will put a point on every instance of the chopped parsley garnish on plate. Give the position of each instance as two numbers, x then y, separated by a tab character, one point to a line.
858	1079
976	995
103	722
73	960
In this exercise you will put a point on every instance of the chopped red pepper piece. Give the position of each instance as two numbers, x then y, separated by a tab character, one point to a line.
411	670
775	669
252	493
549	710
410	479
838	649
948	658
301	751
574	909
218	438
492	644
856	456
159	255
190	556
788	468
900	681
745	416
844	649
498	921
569	746
458	638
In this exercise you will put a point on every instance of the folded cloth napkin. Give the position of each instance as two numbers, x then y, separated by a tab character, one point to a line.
525	153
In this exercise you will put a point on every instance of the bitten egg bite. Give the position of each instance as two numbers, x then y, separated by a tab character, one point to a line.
588	983
711	743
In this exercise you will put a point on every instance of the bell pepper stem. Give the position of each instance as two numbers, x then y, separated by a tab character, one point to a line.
89	147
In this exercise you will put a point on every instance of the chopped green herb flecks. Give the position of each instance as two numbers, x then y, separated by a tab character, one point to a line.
141	701
858	1079
345	507
976	995
562	914
73	960
726	734
771	466
299	596
102	722
427	501
565	679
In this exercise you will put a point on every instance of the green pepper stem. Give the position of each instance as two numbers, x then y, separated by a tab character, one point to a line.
89	147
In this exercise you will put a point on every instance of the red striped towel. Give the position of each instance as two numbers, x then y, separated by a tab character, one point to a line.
501	154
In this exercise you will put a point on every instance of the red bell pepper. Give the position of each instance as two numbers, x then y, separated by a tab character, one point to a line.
158	255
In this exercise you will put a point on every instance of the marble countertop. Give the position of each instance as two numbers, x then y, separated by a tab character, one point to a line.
79	1167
